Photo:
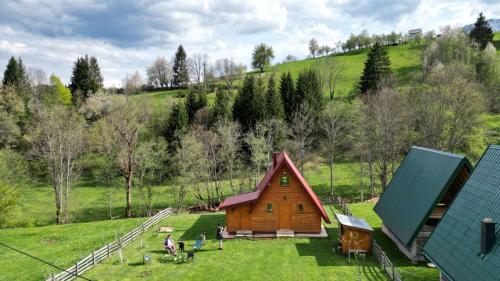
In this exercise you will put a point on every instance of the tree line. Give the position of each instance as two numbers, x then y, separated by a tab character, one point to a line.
60	134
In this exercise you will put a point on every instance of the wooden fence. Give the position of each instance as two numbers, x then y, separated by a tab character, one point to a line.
387	266
342	205
105	252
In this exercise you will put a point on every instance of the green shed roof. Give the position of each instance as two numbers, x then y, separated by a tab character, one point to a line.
454	246
417	186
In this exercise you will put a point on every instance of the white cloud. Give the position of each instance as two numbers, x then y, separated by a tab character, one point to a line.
127	35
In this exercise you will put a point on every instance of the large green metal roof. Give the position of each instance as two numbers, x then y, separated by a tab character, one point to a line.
417	186
454	246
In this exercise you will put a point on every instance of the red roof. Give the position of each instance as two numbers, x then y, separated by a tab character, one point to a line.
281	159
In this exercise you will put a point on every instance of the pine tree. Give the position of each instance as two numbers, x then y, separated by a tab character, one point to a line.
180	68
222	107
96	80
176	126
309	91
377	69
482	32
15	74
274	105
86	79
249	105
287	93
194	102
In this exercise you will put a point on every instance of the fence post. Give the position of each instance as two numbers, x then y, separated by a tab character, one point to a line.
107	248
76	269
93	257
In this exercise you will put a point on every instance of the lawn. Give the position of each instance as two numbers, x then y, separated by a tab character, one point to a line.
273	259
89	200
62	245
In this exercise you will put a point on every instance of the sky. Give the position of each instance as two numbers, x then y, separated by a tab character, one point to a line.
127	35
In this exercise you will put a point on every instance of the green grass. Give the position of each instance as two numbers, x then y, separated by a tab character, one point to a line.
242	259
62	245
89	200
405	60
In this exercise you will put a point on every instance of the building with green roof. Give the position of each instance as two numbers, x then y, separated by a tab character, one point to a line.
420	191
466	243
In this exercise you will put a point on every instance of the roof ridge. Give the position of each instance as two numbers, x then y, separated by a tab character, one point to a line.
440	151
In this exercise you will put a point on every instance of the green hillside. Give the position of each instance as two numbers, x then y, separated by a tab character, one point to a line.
405	59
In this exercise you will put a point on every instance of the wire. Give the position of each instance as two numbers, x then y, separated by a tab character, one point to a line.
39	259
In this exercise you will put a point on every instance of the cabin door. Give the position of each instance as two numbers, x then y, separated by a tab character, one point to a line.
245	217
284	217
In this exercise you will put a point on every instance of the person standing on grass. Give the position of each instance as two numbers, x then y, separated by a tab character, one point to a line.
219	235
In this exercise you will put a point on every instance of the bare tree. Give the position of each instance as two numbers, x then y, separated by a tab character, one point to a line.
226	69
160	73
126	119
37	79
196	66
313	47
386	131
329	70
302	129
61	143
105	145
229	134
192	168
132	84
335	124
259	148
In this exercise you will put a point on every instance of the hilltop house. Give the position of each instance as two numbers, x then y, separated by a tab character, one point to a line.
414	34
282	201
465	245
415	200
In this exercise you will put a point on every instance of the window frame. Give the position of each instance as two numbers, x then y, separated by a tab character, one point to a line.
285	183
299	210
269	210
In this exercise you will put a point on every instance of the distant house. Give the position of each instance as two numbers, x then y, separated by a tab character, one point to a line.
282	201
414	34
421	190
465	245
355	234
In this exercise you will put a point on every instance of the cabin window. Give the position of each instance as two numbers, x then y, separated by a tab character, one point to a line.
269	207
284	180
300	208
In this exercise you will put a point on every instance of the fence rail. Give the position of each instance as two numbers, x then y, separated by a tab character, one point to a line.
387	266
106	251
342	205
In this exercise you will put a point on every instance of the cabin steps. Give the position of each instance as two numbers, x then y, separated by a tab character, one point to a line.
244	233
285	233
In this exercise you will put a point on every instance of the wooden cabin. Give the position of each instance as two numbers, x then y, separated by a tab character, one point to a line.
355	234
420	192
281	201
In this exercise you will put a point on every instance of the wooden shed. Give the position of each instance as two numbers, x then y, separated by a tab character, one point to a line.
282	201
355	234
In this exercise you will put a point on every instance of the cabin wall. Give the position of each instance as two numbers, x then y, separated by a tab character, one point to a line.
356	239
285	200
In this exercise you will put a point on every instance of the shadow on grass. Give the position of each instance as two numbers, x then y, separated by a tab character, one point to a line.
204	223
319	248
372	273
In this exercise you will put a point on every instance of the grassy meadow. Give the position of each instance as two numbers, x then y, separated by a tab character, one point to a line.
62	245
274	259
89	199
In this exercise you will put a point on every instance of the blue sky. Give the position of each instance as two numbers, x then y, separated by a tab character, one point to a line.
127	35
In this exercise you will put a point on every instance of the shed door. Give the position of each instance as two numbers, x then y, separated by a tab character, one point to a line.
245	217
284	217
233	219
